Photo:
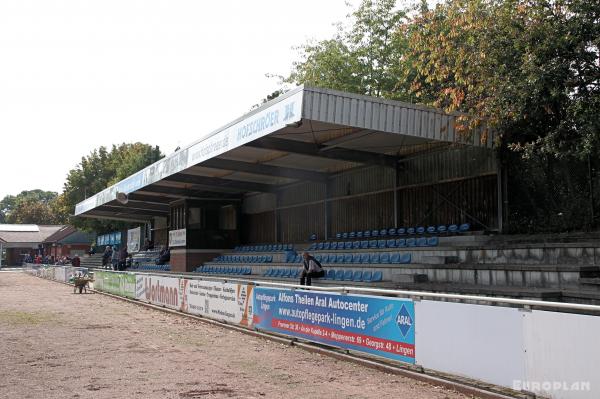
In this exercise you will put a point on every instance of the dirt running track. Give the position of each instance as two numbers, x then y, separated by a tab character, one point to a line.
54	344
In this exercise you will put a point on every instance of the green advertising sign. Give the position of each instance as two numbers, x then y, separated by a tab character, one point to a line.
122	284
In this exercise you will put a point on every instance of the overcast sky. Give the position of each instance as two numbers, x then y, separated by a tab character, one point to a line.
78	74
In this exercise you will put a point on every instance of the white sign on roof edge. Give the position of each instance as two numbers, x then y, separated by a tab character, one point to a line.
268	120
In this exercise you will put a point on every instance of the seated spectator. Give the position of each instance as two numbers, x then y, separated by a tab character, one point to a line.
311	269
164	256
76	262
148	245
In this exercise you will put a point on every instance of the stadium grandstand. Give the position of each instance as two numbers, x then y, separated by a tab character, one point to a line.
382	193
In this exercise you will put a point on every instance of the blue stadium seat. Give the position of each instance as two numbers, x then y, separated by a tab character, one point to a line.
367	234
330	274
327	246
374	233
384	257
367	276
464	227
432	242
239	270
373	244
333	246
364	244
442	228
347	245
411	242
400	242
339	275
325	258
377	276
357	276
339	258
313	237
364	258
395	258
318	258
421	242
356	258
359	234
338	236
269	258
452	228
374	257
405	258
401	231
420	230
381	244
410	230
268	272
355	244
352	234
383	232
391	243
347	258
319	246
285	273
348	275
431	230
392	232
276	273
332	258
344	235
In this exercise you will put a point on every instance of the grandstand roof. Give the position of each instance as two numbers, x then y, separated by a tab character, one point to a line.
304	135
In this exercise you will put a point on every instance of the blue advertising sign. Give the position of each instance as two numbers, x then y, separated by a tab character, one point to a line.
377	325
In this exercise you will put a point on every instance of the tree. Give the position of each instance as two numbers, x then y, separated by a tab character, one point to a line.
31	207
99	170
527	68
365	57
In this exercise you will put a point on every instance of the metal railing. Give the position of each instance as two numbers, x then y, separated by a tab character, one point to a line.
526	303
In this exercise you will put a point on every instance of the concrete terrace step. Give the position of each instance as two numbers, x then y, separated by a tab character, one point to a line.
468	289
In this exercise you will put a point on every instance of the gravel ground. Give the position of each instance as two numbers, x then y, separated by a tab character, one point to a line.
55	344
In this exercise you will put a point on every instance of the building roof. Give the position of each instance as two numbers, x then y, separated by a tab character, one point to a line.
306	134
70	235
11	235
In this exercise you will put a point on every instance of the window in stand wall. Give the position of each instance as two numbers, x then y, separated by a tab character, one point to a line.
178	217
195	219
227	218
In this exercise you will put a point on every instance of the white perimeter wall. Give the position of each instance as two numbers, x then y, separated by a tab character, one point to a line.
556	355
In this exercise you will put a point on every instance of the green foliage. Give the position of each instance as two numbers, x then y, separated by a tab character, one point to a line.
364	58
99	170
528	69
31	207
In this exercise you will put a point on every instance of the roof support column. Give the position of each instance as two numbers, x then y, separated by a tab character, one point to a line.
396	178
1	251
327	211
276	211
500	203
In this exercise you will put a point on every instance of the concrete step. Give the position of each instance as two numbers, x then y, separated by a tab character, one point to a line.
409	278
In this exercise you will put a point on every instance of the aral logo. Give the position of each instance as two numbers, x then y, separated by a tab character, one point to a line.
404	321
